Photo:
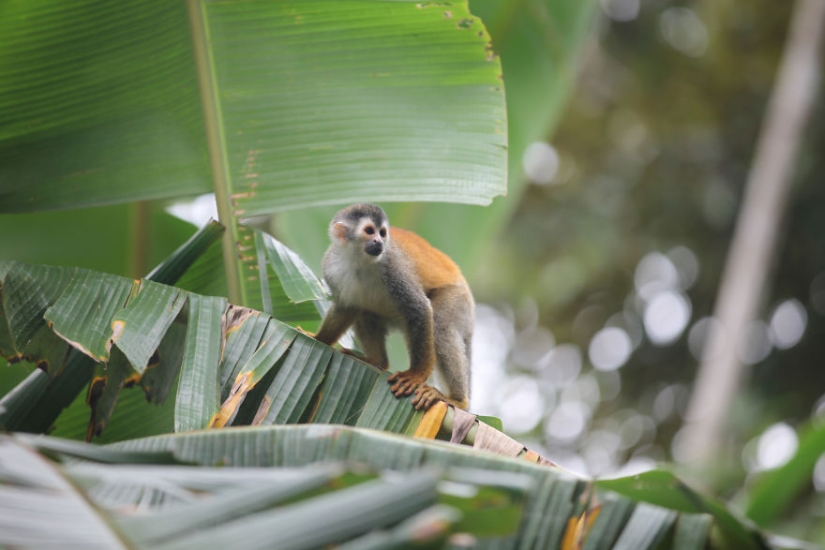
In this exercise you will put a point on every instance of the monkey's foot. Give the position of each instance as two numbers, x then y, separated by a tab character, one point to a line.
406	382
426	396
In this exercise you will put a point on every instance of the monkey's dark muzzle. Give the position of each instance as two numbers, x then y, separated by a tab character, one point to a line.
374	248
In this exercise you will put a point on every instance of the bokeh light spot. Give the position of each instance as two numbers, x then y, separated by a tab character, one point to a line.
567	422
684	31
630	323
532	346
666	316
787	324
540	162
655	273
563	364
687	265
492	340
776	446
584	390
609	349
521	405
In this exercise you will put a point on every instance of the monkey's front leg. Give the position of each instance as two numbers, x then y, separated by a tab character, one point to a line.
335	324
417	313
421	344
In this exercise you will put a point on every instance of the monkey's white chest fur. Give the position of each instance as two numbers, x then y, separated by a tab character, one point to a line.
358	285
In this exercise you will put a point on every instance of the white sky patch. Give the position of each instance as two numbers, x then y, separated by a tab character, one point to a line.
197	211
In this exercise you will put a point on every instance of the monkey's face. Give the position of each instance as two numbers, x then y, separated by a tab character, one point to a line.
373	238
363	230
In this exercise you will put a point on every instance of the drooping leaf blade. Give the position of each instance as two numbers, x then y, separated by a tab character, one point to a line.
198	398
162	373
60	394
246	331
299	282
345	391
384	411
84	312
263	360
139	327
28	291
296	383
19	402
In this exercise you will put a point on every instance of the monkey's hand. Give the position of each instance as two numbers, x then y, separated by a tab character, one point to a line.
406	382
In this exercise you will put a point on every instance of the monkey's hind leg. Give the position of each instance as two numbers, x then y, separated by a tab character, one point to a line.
453	319
371	332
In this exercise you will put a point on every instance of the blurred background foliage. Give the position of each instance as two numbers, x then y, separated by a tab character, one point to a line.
603	280
596	275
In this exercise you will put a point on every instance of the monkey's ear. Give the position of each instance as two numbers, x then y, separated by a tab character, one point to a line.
339	231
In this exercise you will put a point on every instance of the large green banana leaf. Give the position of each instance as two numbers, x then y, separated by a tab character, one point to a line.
271	105
283	104
285	486
135	499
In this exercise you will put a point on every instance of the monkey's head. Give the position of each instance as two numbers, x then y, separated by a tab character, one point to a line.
363	227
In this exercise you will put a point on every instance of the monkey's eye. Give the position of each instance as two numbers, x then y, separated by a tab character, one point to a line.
383	232
369	230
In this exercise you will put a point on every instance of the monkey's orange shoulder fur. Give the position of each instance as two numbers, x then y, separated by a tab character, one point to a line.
433	268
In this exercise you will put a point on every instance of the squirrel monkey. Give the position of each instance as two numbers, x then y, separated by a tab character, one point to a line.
384	279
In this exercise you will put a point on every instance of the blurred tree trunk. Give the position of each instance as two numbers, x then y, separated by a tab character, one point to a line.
755	238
